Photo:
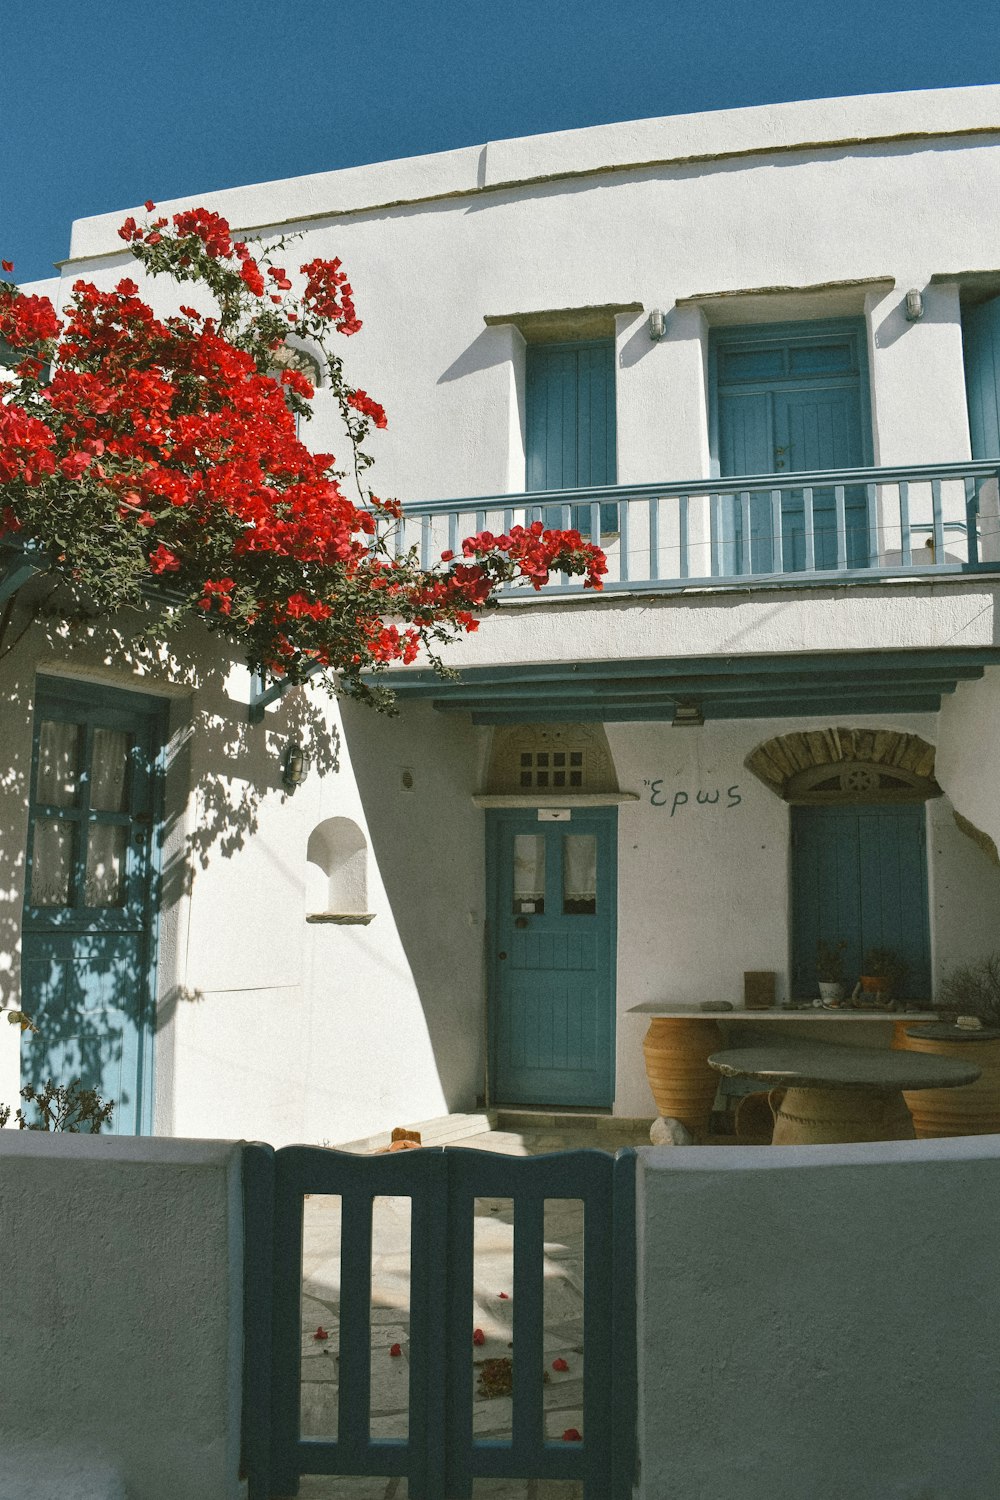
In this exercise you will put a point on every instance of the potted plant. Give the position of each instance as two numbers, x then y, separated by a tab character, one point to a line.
884	973
830	969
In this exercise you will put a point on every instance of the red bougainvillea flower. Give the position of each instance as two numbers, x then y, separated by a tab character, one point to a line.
164	561
361	401
560	1365
320	1334
7	265
136	446
478	1337
504	1296
395	1350
572	1435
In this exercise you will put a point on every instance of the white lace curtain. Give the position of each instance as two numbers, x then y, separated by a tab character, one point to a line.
58	784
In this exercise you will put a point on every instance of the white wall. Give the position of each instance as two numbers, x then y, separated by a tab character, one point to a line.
966	768
788	196
819	1321
121	1309
269	1026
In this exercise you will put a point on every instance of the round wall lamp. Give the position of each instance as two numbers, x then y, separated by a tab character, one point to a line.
294	765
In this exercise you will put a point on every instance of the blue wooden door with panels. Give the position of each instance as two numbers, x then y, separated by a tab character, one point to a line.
792	399
859	876
88	928
570	425
553	889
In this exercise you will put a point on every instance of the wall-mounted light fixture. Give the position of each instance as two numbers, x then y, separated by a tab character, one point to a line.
294	766
914	305
687	714
657	323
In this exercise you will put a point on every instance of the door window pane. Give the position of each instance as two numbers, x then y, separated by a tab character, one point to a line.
57	781
529	873
109	770
580	874
51	862
104	878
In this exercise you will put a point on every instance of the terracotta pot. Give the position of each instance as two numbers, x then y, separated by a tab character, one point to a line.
683	1084
876	984
818	1116
972	1110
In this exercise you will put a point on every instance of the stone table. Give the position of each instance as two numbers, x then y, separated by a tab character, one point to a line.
681	1037
832	1093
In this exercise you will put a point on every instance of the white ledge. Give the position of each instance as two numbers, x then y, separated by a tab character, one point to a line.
342	918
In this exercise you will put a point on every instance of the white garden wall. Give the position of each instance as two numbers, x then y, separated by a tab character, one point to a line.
819	1321
121	1305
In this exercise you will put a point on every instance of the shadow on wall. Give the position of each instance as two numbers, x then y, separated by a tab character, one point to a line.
218	767
427	844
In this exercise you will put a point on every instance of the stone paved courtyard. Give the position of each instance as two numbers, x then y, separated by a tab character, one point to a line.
563	1337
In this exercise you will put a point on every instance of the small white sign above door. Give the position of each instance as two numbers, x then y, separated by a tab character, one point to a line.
555	814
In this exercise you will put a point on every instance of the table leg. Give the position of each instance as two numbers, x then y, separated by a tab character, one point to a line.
683	1085
812	1116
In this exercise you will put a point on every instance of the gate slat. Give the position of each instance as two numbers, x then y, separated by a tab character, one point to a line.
354	1423
529	1312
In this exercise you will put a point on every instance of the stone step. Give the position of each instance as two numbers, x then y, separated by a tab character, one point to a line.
437	1132
547	1119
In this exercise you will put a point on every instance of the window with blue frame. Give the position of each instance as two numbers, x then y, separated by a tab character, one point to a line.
570	428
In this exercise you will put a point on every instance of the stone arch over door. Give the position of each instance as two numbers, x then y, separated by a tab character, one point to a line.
858	858
814	767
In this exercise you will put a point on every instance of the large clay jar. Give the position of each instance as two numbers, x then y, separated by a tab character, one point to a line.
818	1116
683	1085
972	1110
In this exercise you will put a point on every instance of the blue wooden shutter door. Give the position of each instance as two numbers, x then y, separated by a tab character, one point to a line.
981	339
790	402
859	874
571	424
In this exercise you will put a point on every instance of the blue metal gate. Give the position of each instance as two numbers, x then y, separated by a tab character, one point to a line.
440	1457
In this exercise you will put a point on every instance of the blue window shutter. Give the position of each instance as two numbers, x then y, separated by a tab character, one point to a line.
571	423
981	339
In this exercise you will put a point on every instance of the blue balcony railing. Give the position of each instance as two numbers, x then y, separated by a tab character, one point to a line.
762	529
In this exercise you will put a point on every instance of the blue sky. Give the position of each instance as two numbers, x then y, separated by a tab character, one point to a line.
106	102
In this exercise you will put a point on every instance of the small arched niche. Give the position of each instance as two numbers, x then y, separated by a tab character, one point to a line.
337	873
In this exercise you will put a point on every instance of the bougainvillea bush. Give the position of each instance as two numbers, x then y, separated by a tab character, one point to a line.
158	457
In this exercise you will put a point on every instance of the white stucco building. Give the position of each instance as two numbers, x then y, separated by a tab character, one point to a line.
777	725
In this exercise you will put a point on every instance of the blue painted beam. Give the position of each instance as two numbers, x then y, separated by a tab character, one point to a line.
786	708
670	691
426	683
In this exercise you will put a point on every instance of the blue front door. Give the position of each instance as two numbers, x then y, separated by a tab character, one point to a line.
553	888
570	425
791	399
859	876
87	947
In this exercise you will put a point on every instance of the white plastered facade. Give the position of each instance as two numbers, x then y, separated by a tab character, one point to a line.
275	1027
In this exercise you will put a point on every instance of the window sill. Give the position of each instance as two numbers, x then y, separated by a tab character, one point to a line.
342	918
